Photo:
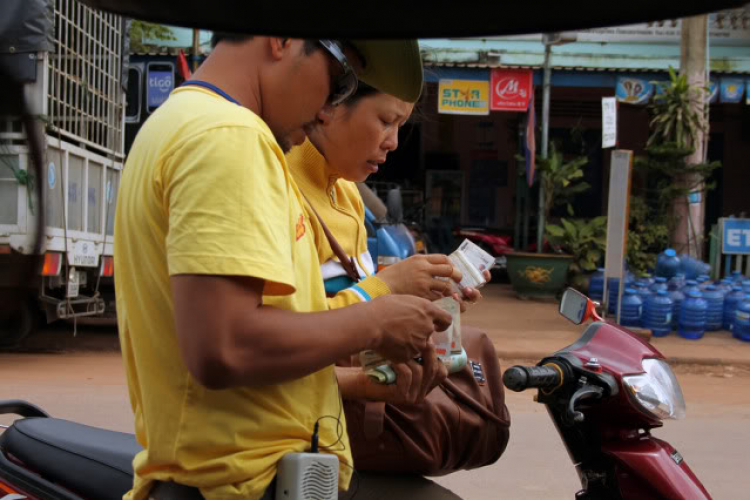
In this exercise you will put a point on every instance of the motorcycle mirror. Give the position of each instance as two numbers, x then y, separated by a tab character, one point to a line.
574	306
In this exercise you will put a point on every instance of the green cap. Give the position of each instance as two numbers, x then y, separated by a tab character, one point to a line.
392	66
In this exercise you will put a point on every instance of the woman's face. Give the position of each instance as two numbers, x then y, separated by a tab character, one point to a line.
355	139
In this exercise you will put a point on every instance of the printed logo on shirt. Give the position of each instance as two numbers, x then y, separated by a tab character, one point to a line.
300	227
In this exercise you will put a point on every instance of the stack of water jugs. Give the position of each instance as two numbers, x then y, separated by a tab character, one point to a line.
680	297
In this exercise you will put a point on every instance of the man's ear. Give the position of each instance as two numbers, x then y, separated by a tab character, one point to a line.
325	115
279	46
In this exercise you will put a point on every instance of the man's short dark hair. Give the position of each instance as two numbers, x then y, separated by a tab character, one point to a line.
222	36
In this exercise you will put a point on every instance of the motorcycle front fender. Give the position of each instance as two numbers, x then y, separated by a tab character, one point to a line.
650	468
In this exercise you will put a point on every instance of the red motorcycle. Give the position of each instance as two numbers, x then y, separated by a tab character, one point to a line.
604	394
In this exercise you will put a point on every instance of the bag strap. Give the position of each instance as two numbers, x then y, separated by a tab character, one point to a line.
346	262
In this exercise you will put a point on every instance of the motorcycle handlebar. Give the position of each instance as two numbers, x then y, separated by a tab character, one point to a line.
520	378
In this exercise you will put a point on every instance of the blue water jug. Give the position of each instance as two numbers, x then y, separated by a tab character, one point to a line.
742	320
596	285
660	283
677	297
725	285
692	322
703	281
658	314
737	276
676	282
632	308
692	268
641	287
715	312
613	288
730	306
667	263
690	285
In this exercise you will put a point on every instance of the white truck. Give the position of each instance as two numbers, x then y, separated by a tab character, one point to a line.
72	59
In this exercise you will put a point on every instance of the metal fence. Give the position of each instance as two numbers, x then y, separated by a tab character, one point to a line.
84	74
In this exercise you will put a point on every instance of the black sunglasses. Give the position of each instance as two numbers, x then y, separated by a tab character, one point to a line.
344	84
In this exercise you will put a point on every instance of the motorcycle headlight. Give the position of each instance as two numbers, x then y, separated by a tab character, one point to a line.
657	391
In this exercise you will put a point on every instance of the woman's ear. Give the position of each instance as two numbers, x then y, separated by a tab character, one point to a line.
325	115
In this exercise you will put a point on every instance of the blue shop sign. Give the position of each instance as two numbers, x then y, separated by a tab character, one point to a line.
713	92
160	84
735	236
732	90
633	90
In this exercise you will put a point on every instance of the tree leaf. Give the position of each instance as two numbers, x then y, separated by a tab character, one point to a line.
569	227
555	230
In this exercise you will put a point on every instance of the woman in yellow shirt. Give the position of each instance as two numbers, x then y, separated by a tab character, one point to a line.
348	144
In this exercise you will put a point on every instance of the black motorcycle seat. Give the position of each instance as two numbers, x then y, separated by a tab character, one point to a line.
92	462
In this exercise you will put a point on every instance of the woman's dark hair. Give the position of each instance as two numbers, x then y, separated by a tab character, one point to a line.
363	90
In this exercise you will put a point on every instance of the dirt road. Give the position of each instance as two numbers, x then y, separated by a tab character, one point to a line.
89	387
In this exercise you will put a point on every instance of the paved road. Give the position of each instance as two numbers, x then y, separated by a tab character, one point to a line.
82	379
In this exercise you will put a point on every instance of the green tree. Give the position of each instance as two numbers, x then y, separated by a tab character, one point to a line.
675	118
142	29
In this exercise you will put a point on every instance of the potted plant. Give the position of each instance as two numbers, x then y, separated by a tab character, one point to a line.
545	274
585	240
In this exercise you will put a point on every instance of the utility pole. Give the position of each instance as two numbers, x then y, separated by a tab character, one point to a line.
196	48
690	212
547	39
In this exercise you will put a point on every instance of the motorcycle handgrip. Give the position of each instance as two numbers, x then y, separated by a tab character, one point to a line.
520	378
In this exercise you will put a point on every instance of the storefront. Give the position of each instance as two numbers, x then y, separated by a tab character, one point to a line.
461	159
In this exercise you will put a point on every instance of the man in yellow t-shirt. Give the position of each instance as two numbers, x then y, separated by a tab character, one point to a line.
227	344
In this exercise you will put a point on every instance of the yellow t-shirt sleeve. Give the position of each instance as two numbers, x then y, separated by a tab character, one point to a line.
366	290
229	211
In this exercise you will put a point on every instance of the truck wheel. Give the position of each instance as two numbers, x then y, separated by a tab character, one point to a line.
17	325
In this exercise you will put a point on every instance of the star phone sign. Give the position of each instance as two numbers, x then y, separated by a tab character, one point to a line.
510	89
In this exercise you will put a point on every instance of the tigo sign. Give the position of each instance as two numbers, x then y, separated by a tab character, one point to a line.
511	89
463	97
159	85
735	236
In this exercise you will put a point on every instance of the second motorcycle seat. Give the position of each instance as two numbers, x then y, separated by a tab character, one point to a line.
95	463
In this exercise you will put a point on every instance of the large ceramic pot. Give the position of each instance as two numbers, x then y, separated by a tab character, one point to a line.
538	274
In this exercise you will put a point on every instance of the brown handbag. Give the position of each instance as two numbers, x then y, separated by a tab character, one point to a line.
462	424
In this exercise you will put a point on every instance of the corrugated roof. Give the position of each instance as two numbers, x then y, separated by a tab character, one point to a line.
566	68
577	56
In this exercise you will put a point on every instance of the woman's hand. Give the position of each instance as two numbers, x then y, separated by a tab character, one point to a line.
470	296
413	381
418	275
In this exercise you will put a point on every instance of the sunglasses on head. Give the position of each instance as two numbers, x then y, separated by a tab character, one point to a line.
344	84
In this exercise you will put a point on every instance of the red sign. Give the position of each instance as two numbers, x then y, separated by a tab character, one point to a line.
510	89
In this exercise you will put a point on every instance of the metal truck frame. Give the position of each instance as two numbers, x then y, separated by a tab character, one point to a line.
77	94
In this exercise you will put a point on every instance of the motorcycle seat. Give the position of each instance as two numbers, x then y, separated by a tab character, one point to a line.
94	463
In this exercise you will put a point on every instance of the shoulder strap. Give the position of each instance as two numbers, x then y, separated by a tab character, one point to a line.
347	262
